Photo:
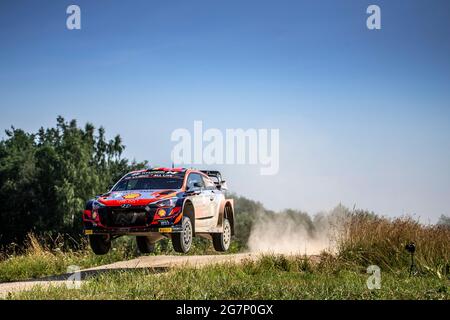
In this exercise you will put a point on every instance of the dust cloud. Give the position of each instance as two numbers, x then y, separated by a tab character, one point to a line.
296	233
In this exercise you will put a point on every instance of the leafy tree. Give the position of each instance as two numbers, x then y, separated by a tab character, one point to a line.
45	178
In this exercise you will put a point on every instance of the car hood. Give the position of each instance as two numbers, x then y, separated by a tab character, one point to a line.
136	197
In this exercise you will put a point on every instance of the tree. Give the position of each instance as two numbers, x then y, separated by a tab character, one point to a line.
45	178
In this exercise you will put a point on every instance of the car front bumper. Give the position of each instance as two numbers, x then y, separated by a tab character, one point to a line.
132	230
132	221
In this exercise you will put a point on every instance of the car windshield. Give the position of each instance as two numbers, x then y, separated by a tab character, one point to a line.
140	183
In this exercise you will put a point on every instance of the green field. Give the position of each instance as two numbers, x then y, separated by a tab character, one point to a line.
271	277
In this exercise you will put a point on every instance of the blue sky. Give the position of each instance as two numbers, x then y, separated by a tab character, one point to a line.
364	116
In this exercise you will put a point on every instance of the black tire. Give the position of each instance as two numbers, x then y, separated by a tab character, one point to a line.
145	245
100	244
222	241
182	241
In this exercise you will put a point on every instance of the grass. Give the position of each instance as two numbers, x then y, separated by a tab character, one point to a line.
270	277
365	239
369	239
41	259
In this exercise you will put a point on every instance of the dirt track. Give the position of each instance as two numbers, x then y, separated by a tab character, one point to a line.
156	263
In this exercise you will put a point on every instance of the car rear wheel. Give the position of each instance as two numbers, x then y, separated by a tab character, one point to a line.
182	241
100	244
222	241
145	245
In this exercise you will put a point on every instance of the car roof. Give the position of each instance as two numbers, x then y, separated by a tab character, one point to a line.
165	169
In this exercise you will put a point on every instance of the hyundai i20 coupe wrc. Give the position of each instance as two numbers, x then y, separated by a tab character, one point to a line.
157	203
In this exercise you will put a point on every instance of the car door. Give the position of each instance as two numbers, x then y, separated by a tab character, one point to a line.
195	184
213	198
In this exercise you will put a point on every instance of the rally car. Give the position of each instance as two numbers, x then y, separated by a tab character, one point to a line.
157	203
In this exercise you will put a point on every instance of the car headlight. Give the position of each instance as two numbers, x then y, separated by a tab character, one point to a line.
97	205
171	202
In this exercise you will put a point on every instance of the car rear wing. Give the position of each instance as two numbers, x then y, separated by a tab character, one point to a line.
216	177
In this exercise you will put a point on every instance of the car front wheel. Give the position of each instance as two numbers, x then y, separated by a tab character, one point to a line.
182	241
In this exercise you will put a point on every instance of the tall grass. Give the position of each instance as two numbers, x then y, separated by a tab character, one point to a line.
369	239
44	256
39	257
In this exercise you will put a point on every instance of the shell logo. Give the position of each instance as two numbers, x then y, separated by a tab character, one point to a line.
132	196
161	212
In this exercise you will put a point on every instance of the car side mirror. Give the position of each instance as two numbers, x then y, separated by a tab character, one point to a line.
197	185
194	189
223	185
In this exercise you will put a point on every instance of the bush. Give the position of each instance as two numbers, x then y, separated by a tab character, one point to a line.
375	240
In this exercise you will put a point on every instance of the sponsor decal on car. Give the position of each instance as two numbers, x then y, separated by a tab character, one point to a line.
131	196
116	195
161	212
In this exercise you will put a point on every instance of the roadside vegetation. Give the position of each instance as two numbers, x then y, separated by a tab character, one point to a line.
45	178
367	239
270	277
38	258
